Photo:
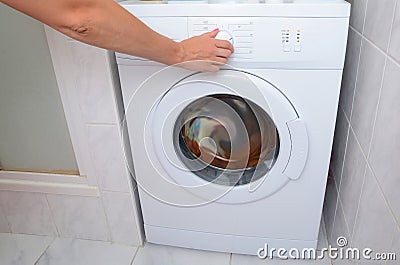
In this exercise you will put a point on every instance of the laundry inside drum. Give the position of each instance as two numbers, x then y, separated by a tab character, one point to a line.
226	139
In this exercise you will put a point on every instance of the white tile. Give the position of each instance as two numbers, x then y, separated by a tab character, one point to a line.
254	260
367	93
385	149
350	71
352	180
152	254
66	251
27	213
120	214
4	227
79	217
93	84
16	249
358	14
394	47
108	157
375	224
378	21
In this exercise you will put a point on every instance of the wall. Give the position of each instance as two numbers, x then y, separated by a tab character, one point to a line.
33	133
100	203
362	200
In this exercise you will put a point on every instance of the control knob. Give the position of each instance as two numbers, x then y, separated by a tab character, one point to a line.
224	35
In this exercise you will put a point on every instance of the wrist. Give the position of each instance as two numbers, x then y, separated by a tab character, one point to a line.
179	53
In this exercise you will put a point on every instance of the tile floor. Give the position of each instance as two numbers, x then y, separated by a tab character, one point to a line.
19	249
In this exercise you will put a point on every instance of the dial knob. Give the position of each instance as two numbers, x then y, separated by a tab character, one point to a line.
224	35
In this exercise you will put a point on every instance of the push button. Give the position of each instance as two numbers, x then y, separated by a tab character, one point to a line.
287	48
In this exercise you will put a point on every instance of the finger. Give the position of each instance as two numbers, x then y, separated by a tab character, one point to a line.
225	53
224	44
212	34
220	60
213	68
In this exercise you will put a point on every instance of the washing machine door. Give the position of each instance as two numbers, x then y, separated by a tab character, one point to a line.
229	136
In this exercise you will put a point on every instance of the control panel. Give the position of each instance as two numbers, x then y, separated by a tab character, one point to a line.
304	42
278	42
240	32
243	33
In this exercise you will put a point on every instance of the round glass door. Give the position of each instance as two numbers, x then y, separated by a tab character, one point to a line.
226	139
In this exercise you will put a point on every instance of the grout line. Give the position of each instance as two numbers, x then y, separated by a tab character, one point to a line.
340	179
393	60
5	217
359	59
344	218
397	223
230	259
345	150
54	239
325	236
376	179
106	217
116	192
359	201
395	232
101	123
334	215
384	196
356	80
25	234
381	84
52	215
365	17
134	256
97	183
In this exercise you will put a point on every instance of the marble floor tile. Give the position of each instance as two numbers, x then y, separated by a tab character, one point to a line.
28	249
152	254
19	249
68	251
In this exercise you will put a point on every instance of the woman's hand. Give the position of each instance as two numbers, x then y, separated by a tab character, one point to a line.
204	52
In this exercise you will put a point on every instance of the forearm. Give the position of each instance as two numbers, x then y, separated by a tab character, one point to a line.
102	23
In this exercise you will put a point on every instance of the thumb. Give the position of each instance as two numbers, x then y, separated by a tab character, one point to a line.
213	34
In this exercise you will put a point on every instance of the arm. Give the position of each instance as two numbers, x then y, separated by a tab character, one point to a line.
104	23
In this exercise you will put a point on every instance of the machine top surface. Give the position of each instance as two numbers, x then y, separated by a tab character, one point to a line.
261	8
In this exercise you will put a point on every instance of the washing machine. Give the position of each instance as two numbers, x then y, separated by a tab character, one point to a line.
234	160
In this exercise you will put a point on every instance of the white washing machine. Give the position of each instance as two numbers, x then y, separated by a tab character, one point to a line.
234	160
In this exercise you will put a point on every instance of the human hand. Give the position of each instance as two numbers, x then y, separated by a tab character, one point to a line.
204	52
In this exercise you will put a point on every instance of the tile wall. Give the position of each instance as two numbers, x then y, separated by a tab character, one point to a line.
112	216
362	200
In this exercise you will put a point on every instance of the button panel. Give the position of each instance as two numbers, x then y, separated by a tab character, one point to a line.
242	31
257	38
291	44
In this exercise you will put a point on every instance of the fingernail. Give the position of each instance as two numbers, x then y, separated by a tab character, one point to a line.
216	29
